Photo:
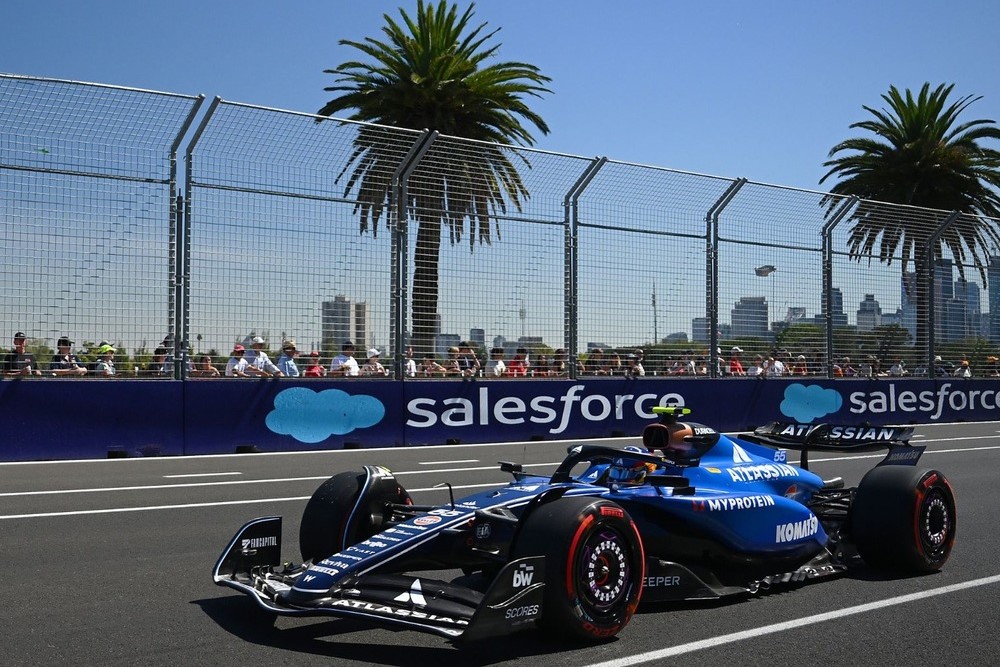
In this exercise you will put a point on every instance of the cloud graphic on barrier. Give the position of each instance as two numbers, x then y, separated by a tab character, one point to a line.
805	403
310	416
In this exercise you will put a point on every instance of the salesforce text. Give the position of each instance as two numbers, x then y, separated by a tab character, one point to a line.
424	412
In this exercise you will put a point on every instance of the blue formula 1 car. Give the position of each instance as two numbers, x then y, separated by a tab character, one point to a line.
692	515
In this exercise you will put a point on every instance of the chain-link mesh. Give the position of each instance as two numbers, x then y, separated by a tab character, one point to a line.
85	202
322	230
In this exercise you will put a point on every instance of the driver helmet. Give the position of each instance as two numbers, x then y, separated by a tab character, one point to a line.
623	471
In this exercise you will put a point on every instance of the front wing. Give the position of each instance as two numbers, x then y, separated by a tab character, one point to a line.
513	601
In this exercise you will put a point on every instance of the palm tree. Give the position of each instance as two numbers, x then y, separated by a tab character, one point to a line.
922	156
431	73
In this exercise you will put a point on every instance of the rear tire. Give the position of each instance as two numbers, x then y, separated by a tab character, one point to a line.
336	517
594	566
904	519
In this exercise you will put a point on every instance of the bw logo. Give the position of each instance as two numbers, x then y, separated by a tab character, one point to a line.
523	575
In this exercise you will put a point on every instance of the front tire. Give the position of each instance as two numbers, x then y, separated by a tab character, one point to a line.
346	509
595	566
904	519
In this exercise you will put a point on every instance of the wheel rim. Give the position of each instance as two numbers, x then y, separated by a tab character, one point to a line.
936	524
604	571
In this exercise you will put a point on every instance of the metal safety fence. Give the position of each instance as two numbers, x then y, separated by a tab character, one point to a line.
157	224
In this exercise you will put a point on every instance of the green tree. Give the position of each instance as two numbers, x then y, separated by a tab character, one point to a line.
921	155
432	72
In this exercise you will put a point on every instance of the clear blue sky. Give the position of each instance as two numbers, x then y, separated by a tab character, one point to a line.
760	90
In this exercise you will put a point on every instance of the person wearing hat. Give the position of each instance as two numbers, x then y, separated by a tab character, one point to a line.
315	369
633	367
735	365
64	362
373	367
237	365
19	361
258	362
344	364
286	362
105	366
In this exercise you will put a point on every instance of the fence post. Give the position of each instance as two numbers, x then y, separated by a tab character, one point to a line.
188	183
712	271
827	234
180	250
571	219
399	283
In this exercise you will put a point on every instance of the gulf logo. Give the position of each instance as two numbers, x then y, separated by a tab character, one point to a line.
426	520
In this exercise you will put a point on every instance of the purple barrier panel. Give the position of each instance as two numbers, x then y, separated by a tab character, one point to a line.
223	416
93	418
439	411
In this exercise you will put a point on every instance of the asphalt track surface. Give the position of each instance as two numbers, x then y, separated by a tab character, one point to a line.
108	563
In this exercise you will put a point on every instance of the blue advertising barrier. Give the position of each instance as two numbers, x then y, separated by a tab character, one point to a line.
89	418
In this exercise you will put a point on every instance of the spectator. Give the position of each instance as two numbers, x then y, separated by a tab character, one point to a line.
757	368
19	361
992	366
410	366
898	369
315	369
238	366
467	359
159	366
688	366
633	366
203	368
735	365
941	367
259	362
373	367
518	366
64	362
495	367
541	367
557	368
615	366
451	365
105	366
344	364
963	370
773	366
798	367
430	367
596	363
847	370
286	362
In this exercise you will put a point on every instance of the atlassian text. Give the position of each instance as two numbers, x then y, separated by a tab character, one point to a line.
933	402
483	410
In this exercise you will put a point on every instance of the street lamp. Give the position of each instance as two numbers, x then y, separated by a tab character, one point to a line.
763	272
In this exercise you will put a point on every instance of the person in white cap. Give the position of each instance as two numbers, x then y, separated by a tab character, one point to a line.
258	361
373	367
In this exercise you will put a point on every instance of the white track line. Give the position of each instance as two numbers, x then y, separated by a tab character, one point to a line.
754	633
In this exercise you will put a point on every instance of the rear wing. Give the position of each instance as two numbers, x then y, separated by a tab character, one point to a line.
840	438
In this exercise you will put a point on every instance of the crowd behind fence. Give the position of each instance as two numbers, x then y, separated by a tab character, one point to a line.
145	220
